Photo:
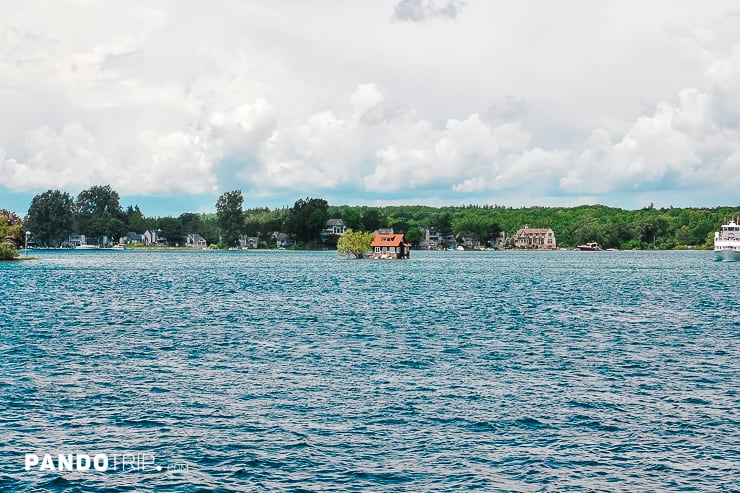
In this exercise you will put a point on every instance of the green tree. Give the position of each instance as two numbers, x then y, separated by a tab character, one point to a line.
354	244
442	222
209	228
190	223
230	217
351	216
413	236
11	235
136	221
99	213
50	217
307	218
372	219
171	229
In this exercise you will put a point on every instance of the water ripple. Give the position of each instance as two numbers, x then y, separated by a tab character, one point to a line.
287	371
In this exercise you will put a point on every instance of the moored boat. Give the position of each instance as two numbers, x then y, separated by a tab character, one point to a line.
727	242
590	247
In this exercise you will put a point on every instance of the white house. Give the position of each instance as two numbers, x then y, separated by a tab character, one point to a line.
333	227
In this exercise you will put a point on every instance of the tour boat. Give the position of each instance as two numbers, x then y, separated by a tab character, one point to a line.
727	242
590	247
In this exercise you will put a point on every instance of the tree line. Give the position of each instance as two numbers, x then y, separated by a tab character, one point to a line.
97	213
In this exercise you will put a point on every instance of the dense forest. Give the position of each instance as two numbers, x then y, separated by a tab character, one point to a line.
97	213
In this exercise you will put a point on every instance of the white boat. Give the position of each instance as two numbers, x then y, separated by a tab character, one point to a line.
119	246
87	247
727	242
590	247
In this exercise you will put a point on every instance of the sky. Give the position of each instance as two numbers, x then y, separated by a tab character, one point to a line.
436	102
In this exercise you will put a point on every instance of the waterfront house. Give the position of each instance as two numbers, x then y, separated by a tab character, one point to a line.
390	246
539	238
246	242
195	240
76	239
499	242
470	242
154	237
282	240
333	227
132	238
430	239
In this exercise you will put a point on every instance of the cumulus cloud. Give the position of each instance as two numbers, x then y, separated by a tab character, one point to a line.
371	109
680	142
419	10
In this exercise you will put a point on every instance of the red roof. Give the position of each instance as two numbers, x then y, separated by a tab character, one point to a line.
382	240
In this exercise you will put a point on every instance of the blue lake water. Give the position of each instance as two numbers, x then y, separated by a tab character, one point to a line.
292	371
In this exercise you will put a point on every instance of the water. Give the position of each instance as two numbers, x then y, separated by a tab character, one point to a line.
453	371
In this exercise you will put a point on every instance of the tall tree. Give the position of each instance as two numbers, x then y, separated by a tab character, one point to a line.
99	213
230	216
443	223
307	218
136	221
50	217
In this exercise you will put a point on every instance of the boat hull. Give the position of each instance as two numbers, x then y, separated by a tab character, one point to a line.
728	255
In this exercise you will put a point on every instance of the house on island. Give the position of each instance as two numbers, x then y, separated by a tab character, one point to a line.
390	246
195	240
539	238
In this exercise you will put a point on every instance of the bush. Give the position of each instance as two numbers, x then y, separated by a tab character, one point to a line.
7	252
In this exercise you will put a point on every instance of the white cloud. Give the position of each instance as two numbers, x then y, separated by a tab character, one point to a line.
568	103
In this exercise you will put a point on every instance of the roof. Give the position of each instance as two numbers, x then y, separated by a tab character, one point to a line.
526	230
334	222
387	240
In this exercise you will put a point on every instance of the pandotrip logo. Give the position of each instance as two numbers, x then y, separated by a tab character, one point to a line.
98	462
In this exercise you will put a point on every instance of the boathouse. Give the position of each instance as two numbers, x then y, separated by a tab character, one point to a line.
390	246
